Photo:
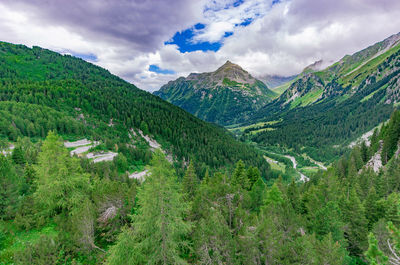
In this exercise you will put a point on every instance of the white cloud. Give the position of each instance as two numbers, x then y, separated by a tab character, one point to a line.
282	39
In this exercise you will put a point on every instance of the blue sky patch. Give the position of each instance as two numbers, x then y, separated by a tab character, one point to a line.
156	69
274	2
246	22
238	3
183	41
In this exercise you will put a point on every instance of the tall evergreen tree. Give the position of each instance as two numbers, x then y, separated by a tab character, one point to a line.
61	184
357	224
239	177
190	182
158	229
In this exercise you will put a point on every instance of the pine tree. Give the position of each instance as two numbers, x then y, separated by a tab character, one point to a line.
274	196
253	174
257	195
330	251
213	240
374	255
328	221
239	177
357	224
371	207
190	182
159	229
61	183
18	156
294	196
10	188
364	152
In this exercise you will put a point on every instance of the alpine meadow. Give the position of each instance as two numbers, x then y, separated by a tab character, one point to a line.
200	132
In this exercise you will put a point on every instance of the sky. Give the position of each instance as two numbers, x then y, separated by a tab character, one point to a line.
150	42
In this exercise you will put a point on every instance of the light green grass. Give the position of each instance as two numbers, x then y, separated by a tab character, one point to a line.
307	99
237	127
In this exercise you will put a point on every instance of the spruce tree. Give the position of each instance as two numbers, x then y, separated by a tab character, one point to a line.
357	224
374	255
190	182
253	174
239	177
158	229
371	207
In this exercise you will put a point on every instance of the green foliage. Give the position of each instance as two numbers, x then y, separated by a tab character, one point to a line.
159	219
58	209
61	183
373	254
11	185
46	251
239	177
190	182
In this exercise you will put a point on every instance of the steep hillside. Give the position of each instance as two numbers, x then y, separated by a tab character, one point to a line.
323	110
41	90
222	96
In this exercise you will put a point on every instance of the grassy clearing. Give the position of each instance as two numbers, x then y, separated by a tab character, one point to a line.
237	127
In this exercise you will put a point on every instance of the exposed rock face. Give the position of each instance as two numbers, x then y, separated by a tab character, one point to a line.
222	96
376	160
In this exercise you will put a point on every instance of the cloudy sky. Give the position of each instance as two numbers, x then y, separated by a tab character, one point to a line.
149	42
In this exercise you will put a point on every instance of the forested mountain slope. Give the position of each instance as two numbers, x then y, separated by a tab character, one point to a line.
324	110
223	96
41	90
56	210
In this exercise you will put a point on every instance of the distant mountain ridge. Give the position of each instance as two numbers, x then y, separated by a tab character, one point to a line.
222	96
273	81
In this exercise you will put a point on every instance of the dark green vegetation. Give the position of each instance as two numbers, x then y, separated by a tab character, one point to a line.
224	96
41	91
323	111
58	209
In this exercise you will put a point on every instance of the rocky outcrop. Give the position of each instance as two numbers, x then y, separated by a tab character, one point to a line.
376	160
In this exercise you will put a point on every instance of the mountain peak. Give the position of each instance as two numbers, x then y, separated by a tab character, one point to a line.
222	96
229	65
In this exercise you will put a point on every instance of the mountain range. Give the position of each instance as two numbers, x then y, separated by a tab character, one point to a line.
322	110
